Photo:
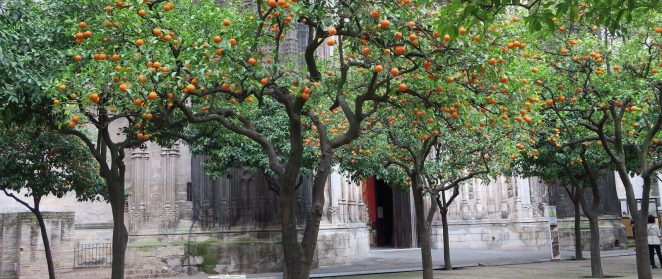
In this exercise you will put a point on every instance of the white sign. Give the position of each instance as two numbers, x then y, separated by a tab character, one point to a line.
551	215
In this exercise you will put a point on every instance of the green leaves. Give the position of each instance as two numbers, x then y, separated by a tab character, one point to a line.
36	161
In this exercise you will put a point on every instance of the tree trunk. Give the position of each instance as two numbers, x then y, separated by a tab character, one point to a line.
447	248
596	261
294	266
44	238
641	249
120	234
639	220
578	230
422	229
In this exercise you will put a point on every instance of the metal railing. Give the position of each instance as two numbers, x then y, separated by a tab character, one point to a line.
93	255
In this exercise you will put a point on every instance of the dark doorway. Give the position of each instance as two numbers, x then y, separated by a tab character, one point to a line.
384	223
393	223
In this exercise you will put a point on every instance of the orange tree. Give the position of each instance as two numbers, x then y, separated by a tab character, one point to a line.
607	87
458	111
410	146
101	98
145	63
37	162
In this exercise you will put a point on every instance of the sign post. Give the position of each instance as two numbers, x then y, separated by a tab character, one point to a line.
554	232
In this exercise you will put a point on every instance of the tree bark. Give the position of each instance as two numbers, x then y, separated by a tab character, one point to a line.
120	234
44	238
640	238
578	230
447	248
294	264
422	229
596	261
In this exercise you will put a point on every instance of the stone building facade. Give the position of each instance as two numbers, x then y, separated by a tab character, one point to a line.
179	218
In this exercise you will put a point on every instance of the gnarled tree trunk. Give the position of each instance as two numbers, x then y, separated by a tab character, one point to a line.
120	233
639	219
447	249
44	237
422	228
578	230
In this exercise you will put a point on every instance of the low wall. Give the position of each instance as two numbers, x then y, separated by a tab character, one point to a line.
22	249
612	233
237	251
529	234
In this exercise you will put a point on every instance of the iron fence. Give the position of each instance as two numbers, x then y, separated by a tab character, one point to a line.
93	255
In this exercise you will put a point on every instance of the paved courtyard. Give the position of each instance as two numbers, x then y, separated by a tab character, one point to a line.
614	267
405	263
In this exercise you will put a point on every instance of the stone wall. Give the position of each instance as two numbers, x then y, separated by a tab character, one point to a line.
494	234
342	244
238	251
612	233
21	246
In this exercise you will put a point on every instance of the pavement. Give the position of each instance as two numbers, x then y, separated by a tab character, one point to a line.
406	263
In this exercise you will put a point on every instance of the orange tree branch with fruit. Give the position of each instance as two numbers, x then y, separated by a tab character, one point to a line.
614	87
469	115
160	64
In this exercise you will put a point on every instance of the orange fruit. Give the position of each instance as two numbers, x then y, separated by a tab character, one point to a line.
190	88
375	14
233	42
462	31
78	58
252	61
167	7
123	87
226	22
62	87
217	39
400	50
379	68
152	95
330	42
56	102
447	38
332	31
271	3
95	98
140	42
385	24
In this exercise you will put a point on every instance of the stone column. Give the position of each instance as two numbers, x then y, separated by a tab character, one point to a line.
480	198
523	197
337	196
504	196
169	158
140	198
464	207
